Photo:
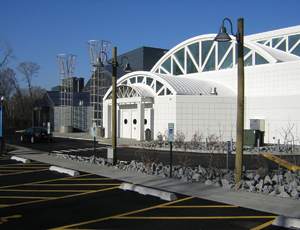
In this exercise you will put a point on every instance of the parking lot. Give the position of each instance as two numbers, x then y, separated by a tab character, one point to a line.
32	197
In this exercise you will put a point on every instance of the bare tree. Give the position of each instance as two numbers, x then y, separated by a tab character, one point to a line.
7	52
29	70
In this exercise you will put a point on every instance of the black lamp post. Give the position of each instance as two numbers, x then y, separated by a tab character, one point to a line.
127	69
224	37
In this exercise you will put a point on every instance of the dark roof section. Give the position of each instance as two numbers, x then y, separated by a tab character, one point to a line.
80	96
143	58
51	99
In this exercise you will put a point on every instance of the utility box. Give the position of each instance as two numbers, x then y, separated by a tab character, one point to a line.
148	134
251	137
257	124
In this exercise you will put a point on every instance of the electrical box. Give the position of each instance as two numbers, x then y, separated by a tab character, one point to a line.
257	124
251	137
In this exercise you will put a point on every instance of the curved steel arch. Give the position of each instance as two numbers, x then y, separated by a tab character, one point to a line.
252	46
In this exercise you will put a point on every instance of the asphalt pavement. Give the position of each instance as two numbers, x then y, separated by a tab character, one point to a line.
287	209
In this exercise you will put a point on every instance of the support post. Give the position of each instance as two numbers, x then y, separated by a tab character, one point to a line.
171	159
114	105
240	102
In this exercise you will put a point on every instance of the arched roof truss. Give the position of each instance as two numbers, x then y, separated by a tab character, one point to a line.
202	54
287	43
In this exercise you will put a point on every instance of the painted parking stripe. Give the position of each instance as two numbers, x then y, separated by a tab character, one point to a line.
124	214
63	197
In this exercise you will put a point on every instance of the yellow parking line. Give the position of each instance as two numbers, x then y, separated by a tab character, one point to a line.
11	170
35	190
45	181
5	219
62	197
9	174
75	184
263	225
26	197
192	217
283	163
23	167
203	206
124	214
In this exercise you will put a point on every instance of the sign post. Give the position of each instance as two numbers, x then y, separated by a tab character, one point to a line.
171	139
2	112
48	132
94	135
228	151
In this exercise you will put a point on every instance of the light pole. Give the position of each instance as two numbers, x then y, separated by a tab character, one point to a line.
127	69
224	37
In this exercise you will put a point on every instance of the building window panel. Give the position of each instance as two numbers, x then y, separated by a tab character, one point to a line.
140	79
158	86
282	46
262	42
275	41
259	60
293	40
211	62
296	51
228	62
206	46
167	64
176	69
180	57
248	61
132	80
194	49
222	49
191	68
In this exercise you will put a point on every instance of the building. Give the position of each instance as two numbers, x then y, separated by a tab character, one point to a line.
194	86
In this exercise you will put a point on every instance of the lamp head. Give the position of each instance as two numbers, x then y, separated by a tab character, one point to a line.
98	63
222	35
127	68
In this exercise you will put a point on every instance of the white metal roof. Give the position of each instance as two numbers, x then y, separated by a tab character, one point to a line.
176	85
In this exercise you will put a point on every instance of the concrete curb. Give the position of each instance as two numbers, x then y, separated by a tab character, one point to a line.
20	159
149	191
64	170
287	222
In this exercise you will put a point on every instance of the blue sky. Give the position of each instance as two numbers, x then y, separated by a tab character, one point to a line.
39	30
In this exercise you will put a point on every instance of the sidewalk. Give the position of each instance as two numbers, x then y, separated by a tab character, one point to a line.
121	142
266	203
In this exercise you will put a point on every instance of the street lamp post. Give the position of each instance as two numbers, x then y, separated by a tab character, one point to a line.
127	69
223	37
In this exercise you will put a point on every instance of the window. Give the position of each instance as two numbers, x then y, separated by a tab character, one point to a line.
194	48
259	60
210	64
180	57
206	45
167	64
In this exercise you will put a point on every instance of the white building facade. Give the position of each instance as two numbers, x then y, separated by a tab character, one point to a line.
194	86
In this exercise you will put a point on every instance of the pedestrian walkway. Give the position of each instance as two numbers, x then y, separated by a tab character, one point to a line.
121	142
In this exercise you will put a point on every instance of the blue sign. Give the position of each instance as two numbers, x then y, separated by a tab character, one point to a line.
171	132
94	129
